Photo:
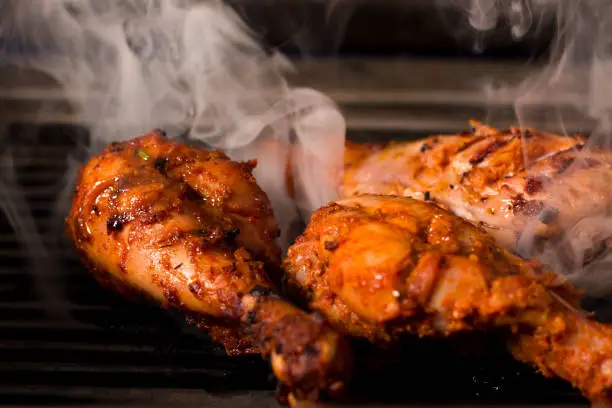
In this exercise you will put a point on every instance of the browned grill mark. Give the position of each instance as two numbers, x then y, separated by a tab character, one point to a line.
251	318
116	222
121	185
469	143
331	245
196	288
587	163
533	185
160	165
191	194
211	234
311	350
549	215
562	163
230	236
172	296
153	217
529	208
560	159
491	148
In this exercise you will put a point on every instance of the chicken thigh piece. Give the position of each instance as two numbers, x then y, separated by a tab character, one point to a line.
509	182
383	267
183	226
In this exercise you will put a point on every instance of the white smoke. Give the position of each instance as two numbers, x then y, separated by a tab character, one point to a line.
485	15
193	67
572	87
186	67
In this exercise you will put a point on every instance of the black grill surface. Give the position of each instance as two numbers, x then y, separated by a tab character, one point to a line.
65	342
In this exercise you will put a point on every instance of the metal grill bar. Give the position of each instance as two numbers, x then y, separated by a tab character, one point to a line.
408	95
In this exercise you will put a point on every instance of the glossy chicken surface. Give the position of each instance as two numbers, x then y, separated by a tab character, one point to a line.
382	267
187	227
506	181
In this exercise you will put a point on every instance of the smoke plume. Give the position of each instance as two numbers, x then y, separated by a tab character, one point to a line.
191	68
572	87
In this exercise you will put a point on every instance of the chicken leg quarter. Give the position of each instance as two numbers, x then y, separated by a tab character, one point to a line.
380	267
188	228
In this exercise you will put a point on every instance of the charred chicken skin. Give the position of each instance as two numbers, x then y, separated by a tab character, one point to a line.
188	228
382	267
507	181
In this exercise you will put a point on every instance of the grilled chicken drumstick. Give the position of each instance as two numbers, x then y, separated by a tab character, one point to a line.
380	266
506	181
180	225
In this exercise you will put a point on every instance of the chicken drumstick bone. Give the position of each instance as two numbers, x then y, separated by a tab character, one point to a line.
380	266
180	225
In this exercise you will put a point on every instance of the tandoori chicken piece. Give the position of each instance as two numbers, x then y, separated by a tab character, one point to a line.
157	219
517	184
383	267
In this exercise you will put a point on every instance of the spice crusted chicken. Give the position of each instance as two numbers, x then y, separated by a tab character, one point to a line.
188	228
382	267
509	182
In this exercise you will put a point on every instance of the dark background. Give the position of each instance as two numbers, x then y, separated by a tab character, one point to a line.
390	28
